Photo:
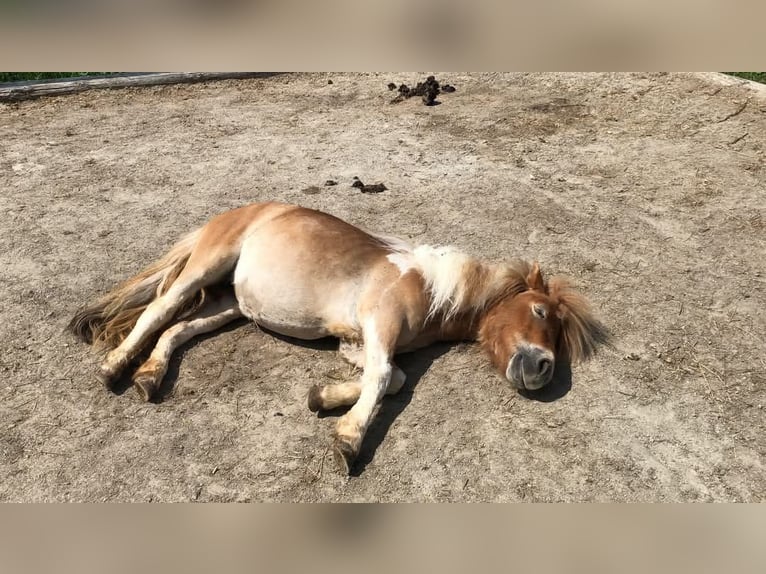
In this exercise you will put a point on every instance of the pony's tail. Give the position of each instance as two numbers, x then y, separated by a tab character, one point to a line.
106	322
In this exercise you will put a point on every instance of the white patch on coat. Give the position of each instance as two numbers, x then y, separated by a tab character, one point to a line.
395	244
448	274
404	261
443	270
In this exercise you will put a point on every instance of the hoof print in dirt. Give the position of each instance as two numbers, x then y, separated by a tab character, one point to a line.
373	188
311	190
427	91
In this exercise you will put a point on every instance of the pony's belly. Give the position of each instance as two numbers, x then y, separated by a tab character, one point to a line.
297	331
279	319
285	285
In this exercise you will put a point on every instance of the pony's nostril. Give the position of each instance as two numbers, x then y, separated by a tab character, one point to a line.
543	366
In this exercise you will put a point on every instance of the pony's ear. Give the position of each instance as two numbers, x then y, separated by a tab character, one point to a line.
535	278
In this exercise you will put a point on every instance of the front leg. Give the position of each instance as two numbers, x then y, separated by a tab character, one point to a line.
328	397
380	334
353	353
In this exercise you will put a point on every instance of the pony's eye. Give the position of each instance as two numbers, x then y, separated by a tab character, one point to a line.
538	311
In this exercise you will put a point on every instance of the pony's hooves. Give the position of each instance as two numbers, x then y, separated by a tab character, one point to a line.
344	456
146	385
106	377
315	398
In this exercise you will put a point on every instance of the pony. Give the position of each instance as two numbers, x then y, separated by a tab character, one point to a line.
307	274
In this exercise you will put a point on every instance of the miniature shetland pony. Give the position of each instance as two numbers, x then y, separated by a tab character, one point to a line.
307	274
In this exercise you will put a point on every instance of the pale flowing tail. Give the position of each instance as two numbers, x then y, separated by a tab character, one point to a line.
106	322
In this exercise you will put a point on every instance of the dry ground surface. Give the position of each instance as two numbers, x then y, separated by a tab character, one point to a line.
647	189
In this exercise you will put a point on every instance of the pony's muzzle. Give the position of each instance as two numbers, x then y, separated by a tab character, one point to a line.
530	368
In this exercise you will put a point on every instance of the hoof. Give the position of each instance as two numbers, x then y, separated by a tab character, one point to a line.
146	384
315	398
106	376
344	455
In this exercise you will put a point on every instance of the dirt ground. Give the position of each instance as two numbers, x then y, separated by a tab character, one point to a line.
647	189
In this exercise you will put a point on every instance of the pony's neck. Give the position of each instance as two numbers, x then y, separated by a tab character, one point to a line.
469	322
459	328
462	287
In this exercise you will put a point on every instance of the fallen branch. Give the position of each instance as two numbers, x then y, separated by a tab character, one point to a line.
28	90
740	138
734	113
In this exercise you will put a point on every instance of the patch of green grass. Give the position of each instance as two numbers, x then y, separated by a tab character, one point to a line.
31	76
752	76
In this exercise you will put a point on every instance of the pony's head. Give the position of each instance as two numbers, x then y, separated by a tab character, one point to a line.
536	322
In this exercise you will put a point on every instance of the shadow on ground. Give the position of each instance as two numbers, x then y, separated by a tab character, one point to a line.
559	386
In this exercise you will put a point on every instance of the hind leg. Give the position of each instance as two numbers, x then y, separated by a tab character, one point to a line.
207	265
213	316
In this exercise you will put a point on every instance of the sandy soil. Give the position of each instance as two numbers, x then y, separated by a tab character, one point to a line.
647	189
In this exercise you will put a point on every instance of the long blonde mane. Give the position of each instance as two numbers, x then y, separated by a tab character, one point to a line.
459	283
581	332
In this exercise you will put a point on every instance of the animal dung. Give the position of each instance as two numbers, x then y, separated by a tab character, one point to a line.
373	188
427	91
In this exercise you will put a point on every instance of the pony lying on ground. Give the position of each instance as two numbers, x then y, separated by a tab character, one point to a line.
307	274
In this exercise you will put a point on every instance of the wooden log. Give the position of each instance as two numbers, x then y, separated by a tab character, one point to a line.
16	91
